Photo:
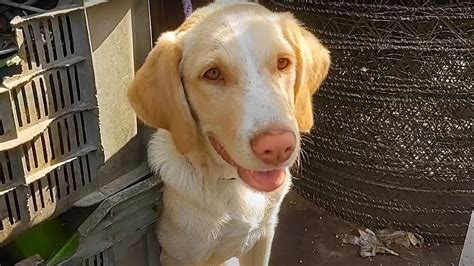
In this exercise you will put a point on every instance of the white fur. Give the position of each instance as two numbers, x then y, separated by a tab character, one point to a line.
264	106
218	218
209	213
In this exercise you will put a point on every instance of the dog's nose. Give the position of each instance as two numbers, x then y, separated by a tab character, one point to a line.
274	146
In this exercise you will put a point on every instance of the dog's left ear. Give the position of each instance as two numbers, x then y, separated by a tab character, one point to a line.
312	66
157	94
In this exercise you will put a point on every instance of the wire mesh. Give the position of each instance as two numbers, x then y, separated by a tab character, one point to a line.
392	144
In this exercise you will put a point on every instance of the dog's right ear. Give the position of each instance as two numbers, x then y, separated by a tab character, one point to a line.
157	94
312	65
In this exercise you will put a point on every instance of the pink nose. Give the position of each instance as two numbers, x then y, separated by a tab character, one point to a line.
274	146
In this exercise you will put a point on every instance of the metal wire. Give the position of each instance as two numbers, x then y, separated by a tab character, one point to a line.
392	144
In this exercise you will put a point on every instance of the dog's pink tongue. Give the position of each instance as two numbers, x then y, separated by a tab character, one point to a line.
265	181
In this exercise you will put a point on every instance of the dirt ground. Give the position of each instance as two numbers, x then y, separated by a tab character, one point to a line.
306	235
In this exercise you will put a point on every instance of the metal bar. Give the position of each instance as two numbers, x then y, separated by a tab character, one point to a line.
22	6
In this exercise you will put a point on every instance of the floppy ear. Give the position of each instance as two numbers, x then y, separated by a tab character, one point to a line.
157	94
312	66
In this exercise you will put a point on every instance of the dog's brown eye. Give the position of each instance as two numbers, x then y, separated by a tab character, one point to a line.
212	74
283	63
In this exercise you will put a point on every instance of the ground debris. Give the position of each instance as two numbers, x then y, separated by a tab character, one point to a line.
382	241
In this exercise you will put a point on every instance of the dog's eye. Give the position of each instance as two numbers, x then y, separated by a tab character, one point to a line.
212	74
283	63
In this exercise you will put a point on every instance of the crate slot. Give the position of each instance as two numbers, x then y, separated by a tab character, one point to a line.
47	41
49	36
31	36
18	102
68	140
54	91
49	95
65	30
62	37
48	149
83	127
9	201
38	192
44	97
6	172
27	44
63	138
58	186
87	167
61	182
69	33
61	89
7	124
36	99
50	187
76	82
33	196
26	156
98	259
65	174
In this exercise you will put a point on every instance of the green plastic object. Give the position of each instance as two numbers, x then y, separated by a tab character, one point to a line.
44	239
66	251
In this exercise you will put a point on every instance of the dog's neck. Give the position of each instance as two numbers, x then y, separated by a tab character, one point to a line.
201	162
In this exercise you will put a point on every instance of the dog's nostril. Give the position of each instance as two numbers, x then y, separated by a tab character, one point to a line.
273	147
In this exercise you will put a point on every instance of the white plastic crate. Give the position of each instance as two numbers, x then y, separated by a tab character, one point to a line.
67	132
121	230
50	147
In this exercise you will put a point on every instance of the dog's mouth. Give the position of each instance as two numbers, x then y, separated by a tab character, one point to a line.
264	181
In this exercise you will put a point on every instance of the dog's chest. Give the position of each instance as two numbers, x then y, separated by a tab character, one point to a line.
245	219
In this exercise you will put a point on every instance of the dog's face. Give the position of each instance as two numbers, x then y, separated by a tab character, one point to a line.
240	78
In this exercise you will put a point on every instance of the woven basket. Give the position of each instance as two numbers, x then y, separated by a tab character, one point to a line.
392	144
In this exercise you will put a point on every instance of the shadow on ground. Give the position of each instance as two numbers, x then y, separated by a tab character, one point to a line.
306	235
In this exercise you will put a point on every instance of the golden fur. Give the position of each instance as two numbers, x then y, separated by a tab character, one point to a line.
209	214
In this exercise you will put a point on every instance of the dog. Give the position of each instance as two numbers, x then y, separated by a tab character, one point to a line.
229	93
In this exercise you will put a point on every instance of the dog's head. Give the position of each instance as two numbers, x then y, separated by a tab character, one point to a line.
239	79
